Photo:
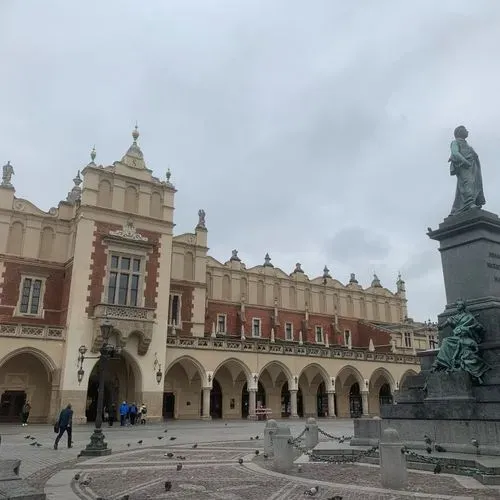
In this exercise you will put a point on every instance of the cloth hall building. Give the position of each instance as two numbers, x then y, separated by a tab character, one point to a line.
199	338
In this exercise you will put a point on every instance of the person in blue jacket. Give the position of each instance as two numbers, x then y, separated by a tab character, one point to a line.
123	413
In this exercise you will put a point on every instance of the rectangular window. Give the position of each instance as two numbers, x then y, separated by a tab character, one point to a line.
407	337
347	338
288	331
221	323
432	342
174	314
256	331
30	300
319	334
124	280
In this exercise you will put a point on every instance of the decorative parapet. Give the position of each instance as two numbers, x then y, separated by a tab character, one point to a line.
286	348
126	321
32	331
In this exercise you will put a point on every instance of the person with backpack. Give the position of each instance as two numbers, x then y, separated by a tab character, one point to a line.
123	413
144	411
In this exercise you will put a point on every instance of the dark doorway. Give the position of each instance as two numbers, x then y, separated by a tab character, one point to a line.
168	405
321	401
286	407
355	401
215	400
11	405
260	398
384	395
92	392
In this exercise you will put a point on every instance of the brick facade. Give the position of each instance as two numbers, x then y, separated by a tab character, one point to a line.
99	260
361	332
54	302
187	304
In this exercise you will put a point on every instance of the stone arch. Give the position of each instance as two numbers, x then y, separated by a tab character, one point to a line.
28	374
404	377
320	371
286	371
189	266
47	237
226	287
231	364
346	379
183	382
378	379
277	379
131	200
155	205
123	382
125	331
104	194
16	238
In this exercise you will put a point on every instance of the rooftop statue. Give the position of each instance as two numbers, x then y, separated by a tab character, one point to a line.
7	173
464	163
460	351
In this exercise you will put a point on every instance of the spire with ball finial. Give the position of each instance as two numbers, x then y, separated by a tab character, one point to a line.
135	133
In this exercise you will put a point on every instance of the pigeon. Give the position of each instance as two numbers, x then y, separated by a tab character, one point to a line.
125	497
27	437
427	439
299	468
336	497
195	445
33	443
428	449
440	448
168	485
475	442
140	441
179	467
438	468
251	438
180	457
225	424
256	452
160	437
312	491
32	437
38	444
76	477
169	455
128	444
240	461
173	438
79	455
86	482
265	455
166	430
256	437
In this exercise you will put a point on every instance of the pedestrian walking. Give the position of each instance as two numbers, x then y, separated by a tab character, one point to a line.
112	415
25	413
144	411
133	413
123	413
64	424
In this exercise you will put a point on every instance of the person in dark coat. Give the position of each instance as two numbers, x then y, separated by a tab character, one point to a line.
64	424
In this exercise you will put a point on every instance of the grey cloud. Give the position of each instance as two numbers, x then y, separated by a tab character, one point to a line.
286	122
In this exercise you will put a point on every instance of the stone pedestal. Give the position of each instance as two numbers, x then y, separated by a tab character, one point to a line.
12	487
311	435
449	387
269	431
393	471
283	452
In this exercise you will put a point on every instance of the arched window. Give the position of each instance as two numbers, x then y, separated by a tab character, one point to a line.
131	200
16	234
261	293
46	243
155	205
293	297
104	194
188	266
226	287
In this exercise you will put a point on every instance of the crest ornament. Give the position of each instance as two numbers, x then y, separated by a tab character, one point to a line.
128	232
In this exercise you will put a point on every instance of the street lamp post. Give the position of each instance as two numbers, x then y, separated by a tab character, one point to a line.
97	446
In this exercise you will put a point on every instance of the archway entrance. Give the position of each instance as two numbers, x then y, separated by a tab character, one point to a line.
321	401
119	385
355	401
260	399
385	395
215	400
24	377
286	407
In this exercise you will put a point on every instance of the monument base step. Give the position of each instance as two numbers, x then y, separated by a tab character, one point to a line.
485	469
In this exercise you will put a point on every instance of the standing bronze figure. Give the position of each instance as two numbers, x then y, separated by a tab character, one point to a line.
464	163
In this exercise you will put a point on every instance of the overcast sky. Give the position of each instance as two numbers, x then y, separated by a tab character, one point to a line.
316	131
